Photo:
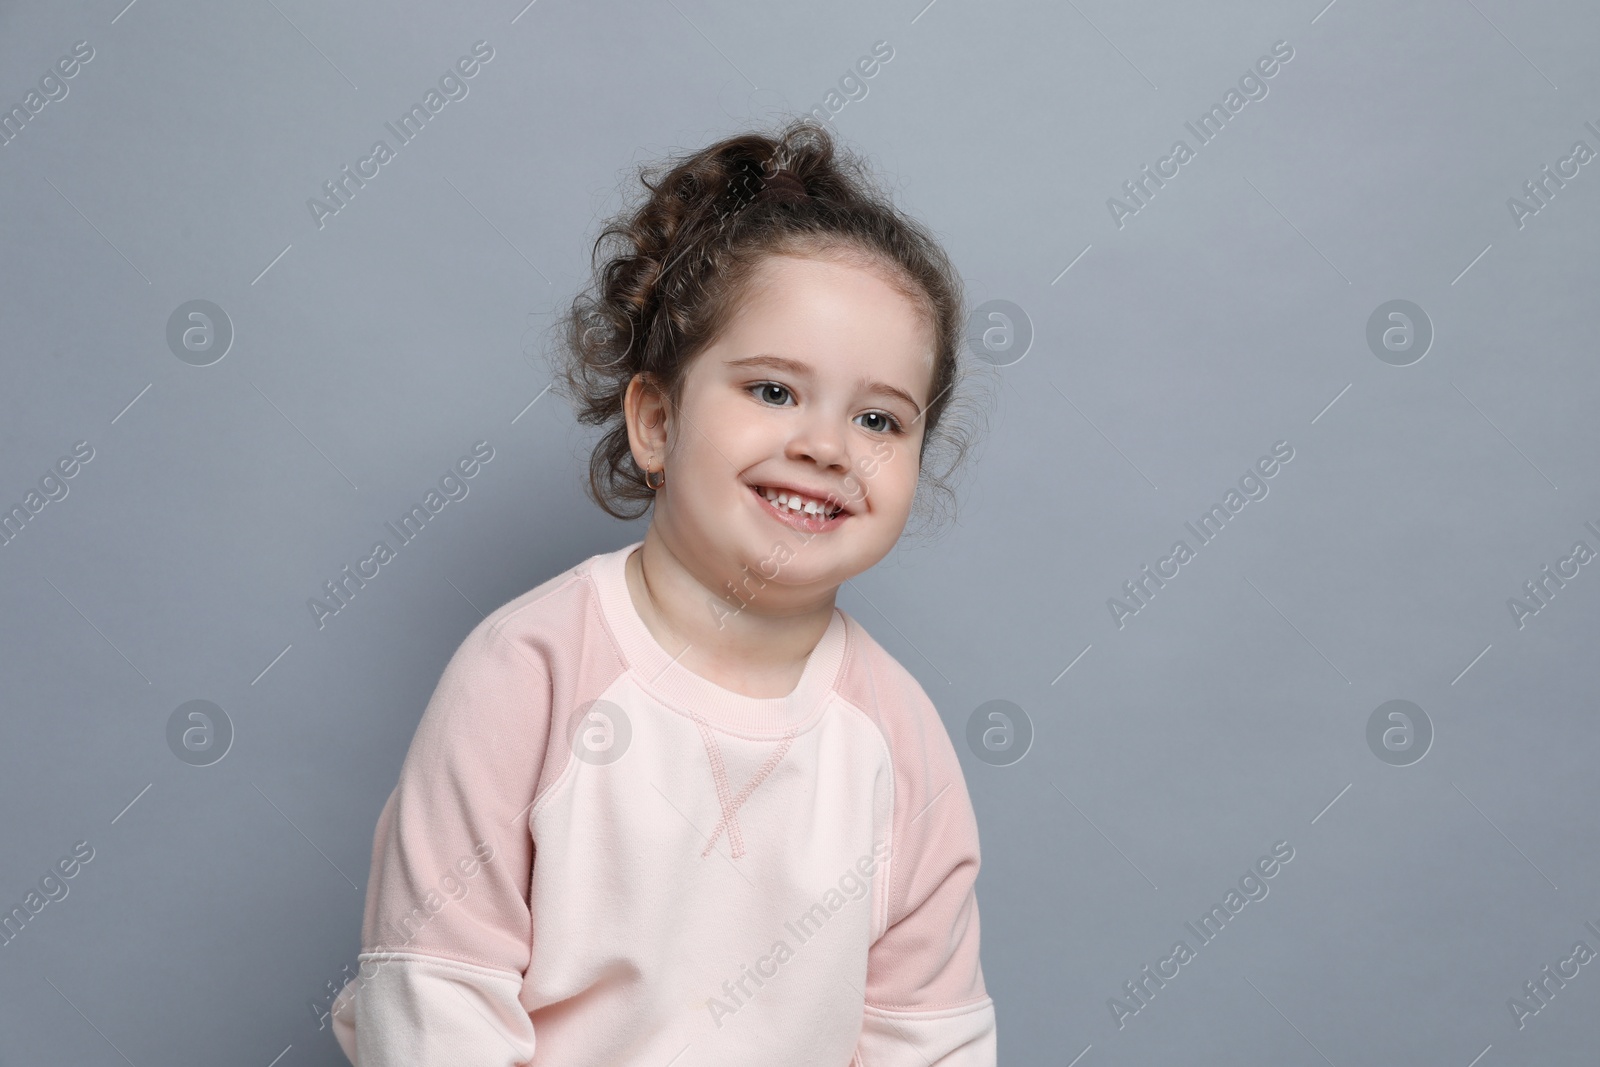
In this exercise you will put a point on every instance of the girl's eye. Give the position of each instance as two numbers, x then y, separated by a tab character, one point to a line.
767	388
774	394
888	423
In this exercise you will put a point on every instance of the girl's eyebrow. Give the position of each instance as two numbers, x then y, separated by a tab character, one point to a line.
795	367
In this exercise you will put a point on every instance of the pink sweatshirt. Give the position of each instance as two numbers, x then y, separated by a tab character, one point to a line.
720	879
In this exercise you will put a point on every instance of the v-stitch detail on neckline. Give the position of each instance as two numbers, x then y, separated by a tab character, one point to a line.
719	775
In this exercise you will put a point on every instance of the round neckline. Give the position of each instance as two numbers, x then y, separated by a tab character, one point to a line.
659	671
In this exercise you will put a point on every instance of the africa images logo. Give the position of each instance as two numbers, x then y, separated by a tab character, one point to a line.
1252	85
452	87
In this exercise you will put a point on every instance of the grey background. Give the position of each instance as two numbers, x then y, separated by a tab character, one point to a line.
1228	314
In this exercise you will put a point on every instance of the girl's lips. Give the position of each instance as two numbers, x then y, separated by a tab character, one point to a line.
798	520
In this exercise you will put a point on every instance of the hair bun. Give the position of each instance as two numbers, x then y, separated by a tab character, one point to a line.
784	186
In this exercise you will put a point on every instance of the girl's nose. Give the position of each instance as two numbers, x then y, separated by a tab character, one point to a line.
820	440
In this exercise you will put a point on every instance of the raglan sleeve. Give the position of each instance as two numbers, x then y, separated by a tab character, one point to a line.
926	1004
446	927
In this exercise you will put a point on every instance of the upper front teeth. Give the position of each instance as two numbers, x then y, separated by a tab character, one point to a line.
796	502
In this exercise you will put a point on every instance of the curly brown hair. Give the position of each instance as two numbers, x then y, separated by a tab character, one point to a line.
668	274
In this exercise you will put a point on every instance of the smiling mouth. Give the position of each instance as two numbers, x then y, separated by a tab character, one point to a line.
792	509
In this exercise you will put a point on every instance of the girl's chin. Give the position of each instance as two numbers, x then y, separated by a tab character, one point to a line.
787	560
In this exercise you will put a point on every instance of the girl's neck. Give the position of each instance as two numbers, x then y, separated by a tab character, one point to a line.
753	652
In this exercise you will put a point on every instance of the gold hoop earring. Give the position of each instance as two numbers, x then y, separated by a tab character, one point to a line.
655	485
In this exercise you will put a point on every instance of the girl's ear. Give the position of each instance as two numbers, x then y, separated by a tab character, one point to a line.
645	410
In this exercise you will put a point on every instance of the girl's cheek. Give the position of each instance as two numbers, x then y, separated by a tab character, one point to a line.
882	458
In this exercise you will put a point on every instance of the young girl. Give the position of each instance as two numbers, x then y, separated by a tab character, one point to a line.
672	806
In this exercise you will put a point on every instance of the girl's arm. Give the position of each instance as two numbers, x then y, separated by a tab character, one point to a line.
446	929
926	1005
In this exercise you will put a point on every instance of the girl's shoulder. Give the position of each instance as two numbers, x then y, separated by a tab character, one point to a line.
519	679
874	681
536	629
869	667
933	810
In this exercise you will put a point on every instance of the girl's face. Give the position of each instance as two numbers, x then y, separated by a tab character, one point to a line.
816	385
